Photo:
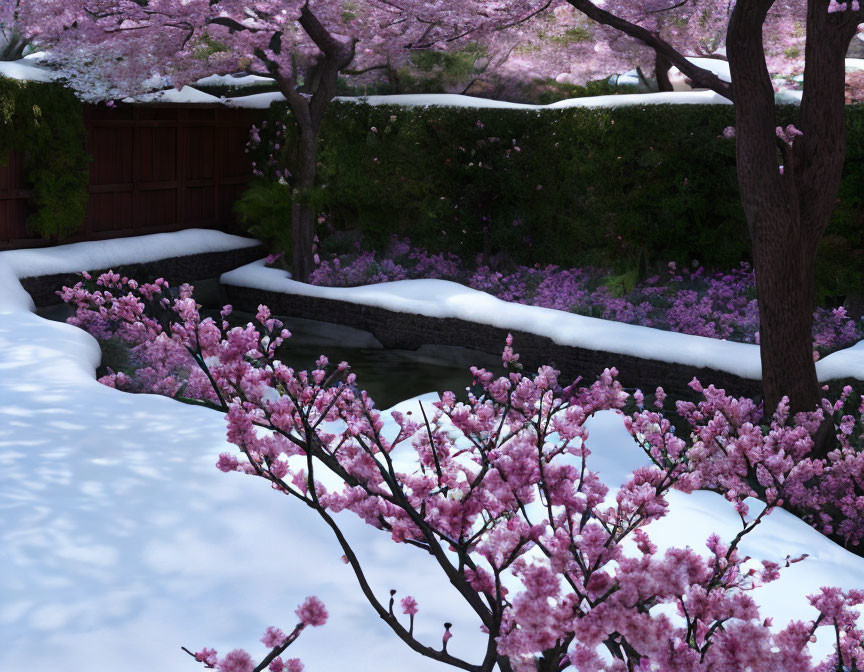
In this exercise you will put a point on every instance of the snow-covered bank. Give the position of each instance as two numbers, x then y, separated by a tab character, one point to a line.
444	299
264	100
26	70
120	541
98	254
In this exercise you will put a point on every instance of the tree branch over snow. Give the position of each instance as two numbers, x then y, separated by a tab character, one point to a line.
700	77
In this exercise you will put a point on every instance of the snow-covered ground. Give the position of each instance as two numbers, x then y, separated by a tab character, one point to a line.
185	95
120	541
263	100
441	298
28	69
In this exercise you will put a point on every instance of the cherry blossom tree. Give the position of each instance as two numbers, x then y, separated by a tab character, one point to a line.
311	613
559	570
789	179
113	48
566	45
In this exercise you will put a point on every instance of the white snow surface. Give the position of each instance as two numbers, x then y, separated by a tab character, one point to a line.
441	298
455	100
187	95
262	101
120	541
717	66
234	80
257	101
25	70
99	254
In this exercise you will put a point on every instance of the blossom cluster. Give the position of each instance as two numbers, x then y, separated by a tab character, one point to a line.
172	348
503	481
498	489
719	305
311	613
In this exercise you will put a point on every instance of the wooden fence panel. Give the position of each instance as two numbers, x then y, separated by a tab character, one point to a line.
14	195
155	168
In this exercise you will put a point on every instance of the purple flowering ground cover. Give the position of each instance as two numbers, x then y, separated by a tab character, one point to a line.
719	305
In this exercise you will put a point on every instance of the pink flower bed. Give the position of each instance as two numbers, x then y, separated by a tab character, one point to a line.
690	301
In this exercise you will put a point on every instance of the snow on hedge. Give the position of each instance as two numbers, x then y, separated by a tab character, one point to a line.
257	101
234	80
120	541
186	95
264	100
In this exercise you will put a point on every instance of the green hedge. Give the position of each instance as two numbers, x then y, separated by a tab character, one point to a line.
632	186
46	123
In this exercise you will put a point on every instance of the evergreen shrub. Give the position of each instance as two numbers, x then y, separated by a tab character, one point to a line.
46	123
631	187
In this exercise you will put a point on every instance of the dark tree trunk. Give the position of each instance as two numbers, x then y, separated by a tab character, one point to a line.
303	214
784	285
12	45
661	72
308	107
787	213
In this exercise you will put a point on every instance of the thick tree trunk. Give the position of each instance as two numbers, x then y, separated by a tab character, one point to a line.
771	218
319	88
12	45
784	285
303	215
661	72
788	212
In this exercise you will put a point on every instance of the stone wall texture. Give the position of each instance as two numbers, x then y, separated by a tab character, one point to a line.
410	331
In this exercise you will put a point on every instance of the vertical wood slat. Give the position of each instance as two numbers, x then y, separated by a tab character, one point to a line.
14	198
181	157
218	154
142	178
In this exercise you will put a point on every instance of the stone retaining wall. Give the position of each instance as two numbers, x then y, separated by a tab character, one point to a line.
175	270
410	331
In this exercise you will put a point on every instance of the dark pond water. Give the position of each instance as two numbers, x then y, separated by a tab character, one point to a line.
388	375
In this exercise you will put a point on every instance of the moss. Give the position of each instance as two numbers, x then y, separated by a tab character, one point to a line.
572	36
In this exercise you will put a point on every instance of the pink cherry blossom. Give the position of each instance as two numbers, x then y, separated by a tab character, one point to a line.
312	612
499	484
